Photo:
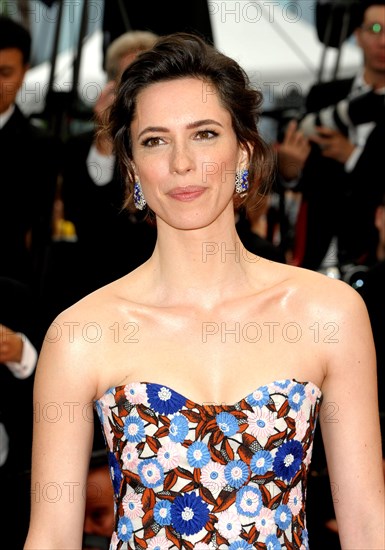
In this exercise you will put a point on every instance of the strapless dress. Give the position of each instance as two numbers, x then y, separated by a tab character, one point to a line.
204	477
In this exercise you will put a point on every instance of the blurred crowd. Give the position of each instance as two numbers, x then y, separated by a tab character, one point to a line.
65	230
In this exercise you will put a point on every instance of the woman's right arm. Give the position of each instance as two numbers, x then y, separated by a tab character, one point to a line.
62	440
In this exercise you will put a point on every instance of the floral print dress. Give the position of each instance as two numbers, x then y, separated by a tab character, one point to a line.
205	477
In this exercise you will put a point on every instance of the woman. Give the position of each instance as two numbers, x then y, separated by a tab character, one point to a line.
206	364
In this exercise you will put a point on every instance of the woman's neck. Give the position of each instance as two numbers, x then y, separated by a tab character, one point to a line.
201	266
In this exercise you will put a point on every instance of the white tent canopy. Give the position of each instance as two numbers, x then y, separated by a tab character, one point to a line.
275	45
270	39
33	93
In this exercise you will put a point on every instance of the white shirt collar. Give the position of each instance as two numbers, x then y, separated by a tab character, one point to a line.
359	84
4	117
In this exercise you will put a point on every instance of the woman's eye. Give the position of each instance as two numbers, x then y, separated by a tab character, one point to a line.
206	134
152	142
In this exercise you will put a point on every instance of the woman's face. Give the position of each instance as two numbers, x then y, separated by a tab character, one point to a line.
185	152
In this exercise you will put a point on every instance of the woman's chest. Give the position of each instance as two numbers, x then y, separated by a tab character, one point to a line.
214	360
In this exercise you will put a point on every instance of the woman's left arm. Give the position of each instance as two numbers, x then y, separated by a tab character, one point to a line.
350	427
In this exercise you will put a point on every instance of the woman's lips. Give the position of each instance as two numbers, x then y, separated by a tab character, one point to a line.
188	193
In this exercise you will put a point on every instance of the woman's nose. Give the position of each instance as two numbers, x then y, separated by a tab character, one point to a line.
181	160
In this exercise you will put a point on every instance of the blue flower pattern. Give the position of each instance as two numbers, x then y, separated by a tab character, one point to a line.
215	470
288	460
261	462
162	514
189	514
115	472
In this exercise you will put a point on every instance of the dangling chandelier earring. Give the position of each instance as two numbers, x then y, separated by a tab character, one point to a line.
139	200
241	181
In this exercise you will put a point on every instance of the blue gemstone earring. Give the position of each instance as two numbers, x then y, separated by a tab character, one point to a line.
242	181
139	200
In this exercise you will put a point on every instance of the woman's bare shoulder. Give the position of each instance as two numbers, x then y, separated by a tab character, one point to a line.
104	302
323	286
86	326
81	340
317	291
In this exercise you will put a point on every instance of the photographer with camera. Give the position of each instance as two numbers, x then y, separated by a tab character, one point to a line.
340	181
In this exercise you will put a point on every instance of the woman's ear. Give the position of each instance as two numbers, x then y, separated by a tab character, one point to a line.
245	153
133	167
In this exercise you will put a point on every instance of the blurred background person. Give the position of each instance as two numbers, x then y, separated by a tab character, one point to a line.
253	230
99	512
110	241
20	342
292	149
342	180
30	160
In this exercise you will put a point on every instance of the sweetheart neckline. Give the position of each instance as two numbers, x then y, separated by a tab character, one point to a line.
199	405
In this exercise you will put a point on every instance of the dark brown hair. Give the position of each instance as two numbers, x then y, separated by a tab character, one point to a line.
15	35
183	55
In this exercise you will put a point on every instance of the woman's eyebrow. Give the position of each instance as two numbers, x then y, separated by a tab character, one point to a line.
189	126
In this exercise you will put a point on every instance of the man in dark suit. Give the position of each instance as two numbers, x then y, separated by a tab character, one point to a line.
343	177
21	337
29	164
